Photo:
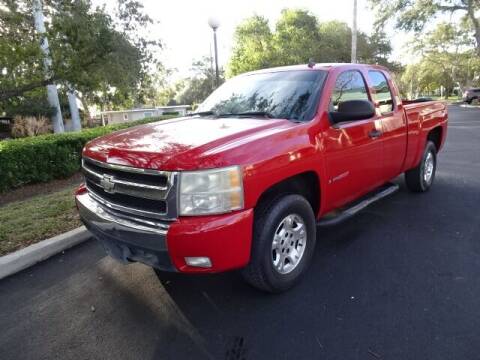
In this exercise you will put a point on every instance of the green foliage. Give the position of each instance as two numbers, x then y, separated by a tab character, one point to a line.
253	46
336	41
197	87
90	48
34	105
447	59
296	37
47	157
20	55
299	37
414	15
157	90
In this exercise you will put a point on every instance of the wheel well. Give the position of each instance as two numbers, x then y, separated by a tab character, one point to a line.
306	184
435	135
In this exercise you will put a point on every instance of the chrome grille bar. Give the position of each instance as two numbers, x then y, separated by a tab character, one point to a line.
127	168
125	209
145	197
109	215
147	191
123	182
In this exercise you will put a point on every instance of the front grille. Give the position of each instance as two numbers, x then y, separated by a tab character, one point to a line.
140	195
153	206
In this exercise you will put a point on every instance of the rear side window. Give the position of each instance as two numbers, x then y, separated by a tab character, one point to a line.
349	86
382	94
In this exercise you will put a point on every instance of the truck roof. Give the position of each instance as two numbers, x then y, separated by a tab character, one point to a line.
317	66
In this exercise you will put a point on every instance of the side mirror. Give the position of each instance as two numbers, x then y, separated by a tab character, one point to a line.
351	110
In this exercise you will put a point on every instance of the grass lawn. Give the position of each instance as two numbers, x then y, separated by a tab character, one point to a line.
25	222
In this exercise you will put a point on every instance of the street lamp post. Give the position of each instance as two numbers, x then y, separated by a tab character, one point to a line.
214	24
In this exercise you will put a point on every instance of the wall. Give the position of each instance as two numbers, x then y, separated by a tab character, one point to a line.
118	117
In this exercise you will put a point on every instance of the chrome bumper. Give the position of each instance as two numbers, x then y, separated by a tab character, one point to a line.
124	239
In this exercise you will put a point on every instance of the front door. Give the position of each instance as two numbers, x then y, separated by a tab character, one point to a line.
353	149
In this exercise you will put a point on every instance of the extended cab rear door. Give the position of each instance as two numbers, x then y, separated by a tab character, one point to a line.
353	151
394	126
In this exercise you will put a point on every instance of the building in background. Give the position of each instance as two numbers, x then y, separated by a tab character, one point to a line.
115	117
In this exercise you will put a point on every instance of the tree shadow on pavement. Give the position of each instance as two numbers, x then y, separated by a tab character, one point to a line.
372	288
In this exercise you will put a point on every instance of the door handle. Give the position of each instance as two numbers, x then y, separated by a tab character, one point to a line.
375	134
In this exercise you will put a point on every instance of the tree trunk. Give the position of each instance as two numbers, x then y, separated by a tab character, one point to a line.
75	115
87	111
476	25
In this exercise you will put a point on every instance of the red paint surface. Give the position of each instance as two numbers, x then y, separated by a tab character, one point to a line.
225	239
346	160
80	189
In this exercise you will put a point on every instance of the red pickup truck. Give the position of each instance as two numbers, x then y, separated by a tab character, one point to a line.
248	180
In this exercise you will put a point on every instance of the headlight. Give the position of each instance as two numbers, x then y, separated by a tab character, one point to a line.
213	191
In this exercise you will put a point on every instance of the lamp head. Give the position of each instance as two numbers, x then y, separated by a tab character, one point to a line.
213	22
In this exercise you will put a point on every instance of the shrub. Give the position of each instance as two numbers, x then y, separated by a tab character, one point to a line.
24	126
47	157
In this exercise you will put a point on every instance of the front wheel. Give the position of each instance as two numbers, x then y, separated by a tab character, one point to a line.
283	243
420	179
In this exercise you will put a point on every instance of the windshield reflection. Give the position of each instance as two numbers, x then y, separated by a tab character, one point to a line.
283	94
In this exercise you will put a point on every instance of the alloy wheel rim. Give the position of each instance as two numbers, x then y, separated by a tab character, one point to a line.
289	242
428	168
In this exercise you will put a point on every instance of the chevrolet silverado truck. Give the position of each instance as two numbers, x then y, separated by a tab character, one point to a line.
266	161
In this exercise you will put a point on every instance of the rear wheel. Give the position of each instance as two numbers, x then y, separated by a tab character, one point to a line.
420	179
283	243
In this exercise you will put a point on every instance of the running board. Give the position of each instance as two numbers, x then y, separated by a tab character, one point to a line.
356	207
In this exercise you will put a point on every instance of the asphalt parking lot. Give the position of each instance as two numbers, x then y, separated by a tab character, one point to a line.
399	281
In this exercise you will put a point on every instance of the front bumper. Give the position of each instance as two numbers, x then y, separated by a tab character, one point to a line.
225	239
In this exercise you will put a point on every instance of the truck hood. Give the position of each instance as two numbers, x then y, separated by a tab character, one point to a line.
184	143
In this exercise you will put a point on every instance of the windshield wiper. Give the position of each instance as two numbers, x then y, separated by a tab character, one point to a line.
248	113
264	114
203	113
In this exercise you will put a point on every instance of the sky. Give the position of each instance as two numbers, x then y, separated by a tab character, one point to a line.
182	25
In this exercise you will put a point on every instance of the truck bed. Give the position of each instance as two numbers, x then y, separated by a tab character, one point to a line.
422	117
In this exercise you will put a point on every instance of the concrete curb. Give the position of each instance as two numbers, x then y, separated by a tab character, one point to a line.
24	258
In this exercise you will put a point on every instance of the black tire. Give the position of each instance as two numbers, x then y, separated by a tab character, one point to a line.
261	272
415	178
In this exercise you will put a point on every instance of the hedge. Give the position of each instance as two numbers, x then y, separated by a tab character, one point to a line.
47	157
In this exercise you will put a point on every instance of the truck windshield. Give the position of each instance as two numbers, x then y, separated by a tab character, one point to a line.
289	95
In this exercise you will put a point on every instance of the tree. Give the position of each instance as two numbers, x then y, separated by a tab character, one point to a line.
335	42
295	38
100	56
413	15
299	37
447	60
253	46
20	55
197	87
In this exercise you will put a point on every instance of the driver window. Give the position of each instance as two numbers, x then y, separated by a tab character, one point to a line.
349	86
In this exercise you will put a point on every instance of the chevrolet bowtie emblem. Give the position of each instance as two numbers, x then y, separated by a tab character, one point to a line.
108	184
